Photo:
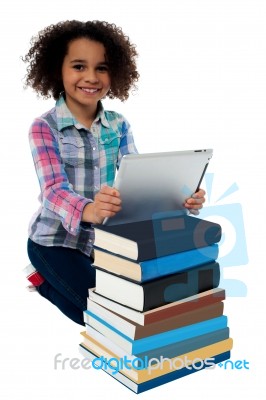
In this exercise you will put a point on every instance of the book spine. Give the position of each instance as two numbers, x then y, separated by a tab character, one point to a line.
188	283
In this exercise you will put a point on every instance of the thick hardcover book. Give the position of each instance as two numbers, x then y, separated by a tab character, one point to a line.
155	238
169	351
158	340
135	331
156	293
152	383
143	271
151	370
190	303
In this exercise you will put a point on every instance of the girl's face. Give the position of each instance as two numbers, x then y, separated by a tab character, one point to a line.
85	75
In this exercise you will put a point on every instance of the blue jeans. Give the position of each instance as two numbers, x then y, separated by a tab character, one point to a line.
68	274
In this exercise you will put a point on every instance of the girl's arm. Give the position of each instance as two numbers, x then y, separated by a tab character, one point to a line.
57	194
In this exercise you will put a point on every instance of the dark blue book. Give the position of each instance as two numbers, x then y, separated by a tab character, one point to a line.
158	292
145	240
153	383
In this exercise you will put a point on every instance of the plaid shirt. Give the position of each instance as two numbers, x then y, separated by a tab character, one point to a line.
72	163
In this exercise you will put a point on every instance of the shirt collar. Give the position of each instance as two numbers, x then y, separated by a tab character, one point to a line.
65	118
101	116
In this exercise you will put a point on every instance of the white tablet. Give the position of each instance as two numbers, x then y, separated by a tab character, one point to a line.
154	184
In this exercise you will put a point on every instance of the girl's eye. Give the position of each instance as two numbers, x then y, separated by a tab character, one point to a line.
103	68
78	67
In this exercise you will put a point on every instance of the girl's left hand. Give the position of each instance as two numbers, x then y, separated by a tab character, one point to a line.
195	202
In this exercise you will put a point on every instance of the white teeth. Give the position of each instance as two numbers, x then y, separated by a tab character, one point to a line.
90	90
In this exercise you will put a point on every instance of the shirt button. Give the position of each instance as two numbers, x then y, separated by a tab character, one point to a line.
94	148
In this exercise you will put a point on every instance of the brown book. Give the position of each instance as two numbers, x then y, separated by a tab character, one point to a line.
136	331
187	304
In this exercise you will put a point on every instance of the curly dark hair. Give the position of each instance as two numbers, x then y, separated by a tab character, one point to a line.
50	46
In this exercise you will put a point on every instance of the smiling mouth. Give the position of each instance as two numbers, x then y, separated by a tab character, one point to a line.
90	91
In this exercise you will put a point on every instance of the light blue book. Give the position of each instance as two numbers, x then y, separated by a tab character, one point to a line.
144	271
98	325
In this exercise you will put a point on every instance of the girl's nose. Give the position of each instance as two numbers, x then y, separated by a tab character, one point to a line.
91	76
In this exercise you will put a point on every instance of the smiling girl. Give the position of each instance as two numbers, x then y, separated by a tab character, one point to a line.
76	148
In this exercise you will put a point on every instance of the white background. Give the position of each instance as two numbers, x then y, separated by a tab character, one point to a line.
203	84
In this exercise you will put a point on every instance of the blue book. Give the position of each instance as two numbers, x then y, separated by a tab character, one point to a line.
142	387
152	342
169	351
186	346
143	271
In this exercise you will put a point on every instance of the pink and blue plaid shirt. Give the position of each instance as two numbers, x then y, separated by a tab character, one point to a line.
72	163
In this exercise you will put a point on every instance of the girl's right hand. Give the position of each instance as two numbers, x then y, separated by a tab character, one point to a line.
106	203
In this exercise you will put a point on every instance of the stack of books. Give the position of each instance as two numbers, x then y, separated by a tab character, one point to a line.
156	313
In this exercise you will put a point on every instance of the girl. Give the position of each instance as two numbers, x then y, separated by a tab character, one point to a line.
76	148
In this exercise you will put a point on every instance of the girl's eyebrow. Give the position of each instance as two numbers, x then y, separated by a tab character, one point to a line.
78	61
85	62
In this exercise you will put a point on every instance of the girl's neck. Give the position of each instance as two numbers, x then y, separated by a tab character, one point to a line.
85	115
